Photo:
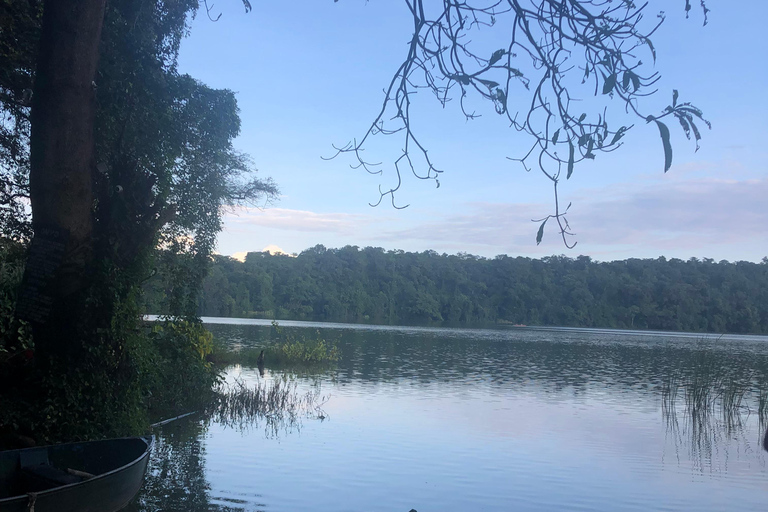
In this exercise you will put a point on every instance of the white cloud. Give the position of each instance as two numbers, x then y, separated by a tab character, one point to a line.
702	217
239	256
678	217
692	214
296	220
271	249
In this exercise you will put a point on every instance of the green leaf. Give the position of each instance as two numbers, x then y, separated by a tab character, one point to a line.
692	109
571	155
501	97
664	132
555	136
540	233
653	50
610	83
630	76
589	154
488	83
496	57
582	117
619	134
696	133
686	127
674	97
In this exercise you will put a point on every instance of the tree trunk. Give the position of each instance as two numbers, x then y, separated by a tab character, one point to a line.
62	152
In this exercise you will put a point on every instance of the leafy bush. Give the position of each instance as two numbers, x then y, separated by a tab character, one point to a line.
300	349
15	336
178	366
286	350
126	373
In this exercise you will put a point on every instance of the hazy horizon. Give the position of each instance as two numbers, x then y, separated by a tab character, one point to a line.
275	250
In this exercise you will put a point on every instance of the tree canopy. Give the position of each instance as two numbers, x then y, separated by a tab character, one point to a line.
371	285
118	154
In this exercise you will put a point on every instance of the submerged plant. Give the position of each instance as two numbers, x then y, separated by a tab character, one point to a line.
278	404
714	405
762	403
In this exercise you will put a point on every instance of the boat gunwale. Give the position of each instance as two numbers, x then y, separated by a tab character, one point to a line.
149	440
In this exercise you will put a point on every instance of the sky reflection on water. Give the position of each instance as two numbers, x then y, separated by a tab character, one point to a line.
490	420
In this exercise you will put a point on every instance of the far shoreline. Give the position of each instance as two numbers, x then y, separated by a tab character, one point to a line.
500	326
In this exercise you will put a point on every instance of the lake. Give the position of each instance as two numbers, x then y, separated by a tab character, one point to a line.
522	419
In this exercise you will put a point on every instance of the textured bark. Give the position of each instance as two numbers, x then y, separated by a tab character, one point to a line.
62	147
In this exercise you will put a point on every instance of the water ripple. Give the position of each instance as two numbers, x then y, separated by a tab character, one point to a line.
497	420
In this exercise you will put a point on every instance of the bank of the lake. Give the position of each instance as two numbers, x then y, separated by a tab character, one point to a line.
486	419
374	286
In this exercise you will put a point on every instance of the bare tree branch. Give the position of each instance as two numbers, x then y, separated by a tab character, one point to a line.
552	44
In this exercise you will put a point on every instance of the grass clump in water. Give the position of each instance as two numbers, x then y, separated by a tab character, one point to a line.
278	404
300	350
286	350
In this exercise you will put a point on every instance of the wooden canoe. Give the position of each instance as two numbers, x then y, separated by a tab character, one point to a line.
96	476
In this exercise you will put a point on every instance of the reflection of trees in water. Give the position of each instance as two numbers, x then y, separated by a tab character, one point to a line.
709	408
717	380
714	391
176	479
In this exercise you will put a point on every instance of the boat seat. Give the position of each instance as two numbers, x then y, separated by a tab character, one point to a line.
38	474
44	476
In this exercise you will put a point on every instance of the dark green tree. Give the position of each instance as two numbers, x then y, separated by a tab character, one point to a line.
123	154
371	285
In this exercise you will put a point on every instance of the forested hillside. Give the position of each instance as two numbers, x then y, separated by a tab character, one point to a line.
395	287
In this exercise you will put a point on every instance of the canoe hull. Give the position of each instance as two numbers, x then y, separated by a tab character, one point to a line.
108	491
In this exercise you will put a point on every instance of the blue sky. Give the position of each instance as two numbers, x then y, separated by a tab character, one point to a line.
310	74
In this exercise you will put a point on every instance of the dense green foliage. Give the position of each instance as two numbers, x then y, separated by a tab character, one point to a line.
81	401
20	21
396	287
164	167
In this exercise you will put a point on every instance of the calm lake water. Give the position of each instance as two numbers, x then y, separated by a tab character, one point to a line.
515	419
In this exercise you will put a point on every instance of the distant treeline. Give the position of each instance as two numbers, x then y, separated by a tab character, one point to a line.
372	285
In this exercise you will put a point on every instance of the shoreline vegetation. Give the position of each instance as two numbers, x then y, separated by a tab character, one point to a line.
278	403
283	350
195	383
374	286
349	285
